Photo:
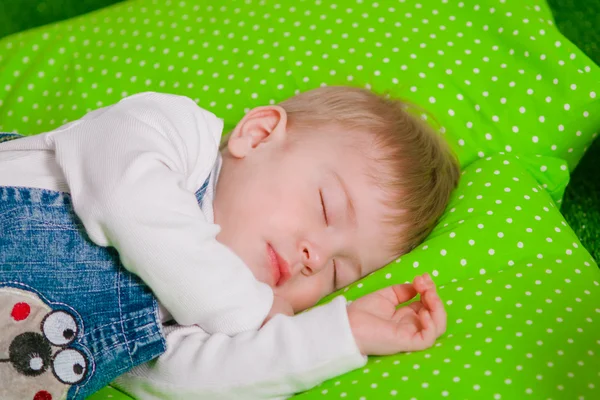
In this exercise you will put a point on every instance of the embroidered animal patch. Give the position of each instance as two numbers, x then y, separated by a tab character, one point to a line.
36	362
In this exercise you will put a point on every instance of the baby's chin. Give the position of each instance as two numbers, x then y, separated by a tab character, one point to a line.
261	273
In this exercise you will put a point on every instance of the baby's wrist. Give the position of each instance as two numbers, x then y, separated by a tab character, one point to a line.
357	329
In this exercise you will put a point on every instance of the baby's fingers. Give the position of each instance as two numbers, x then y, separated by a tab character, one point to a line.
436	310
431	300
425	337
423	283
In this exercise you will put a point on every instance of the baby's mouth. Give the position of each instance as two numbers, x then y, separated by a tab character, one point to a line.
280	269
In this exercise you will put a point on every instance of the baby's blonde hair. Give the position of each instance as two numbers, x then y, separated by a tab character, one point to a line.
415	166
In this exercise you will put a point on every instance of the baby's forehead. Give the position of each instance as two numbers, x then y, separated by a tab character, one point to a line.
342	145
334	132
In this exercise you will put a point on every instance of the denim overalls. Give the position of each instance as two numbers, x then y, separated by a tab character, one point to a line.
72	318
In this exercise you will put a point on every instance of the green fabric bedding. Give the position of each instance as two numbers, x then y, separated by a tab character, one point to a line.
514	98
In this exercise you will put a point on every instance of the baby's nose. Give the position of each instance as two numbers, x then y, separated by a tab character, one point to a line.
312	258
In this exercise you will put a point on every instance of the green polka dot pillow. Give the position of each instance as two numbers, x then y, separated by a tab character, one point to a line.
497	74
522	294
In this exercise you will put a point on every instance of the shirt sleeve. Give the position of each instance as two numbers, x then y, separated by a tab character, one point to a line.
286	356
132	170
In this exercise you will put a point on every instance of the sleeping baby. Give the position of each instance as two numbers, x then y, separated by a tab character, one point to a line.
134	249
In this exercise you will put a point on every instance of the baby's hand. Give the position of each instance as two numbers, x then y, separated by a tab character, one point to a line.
280	306
379	328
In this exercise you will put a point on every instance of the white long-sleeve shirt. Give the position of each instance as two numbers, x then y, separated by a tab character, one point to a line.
132	170
286	356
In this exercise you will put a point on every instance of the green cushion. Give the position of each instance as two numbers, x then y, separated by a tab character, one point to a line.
482	70
488	72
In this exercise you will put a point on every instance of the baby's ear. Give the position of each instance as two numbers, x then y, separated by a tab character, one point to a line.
260	125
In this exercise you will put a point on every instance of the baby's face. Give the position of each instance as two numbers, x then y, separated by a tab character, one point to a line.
304	217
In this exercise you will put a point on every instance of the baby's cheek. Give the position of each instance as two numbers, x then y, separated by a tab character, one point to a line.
305	293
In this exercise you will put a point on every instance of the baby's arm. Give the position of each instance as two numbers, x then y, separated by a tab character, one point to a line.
287	355
133	169
291	354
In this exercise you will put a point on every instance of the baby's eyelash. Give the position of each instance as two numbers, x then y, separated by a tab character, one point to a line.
323	207
334	274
